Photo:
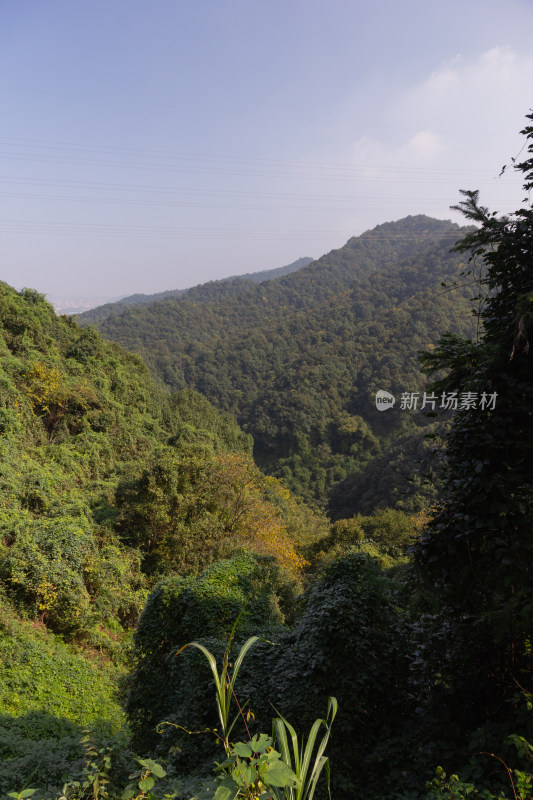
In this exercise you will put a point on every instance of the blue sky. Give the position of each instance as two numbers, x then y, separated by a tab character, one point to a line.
154	145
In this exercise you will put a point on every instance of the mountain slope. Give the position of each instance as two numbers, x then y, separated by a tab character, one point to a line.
297	359
97	315
108	481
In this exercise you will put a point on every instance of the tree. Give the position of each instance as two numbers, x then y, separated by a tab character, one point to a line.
477	553
192	505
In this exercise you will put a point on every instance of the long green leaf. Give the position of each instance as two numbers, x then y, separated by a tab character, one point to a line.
222	703
224	687
295	745
308	752
244	649
319	762
281	736
235	720
324	762
303	757
210	657
294	741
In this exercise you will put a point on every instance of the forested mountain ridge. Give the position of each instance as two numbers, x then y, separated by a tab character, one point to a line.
298	359
97	315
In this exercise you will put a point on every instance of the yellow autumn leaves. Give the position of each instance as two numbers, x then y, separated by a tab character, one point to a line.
54	395
256	509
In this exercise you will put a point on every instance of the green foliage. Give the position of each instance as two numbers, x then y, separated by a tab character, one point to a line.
246	588
198	414
306	770
107	482
391	530
79	419
352	642
164	513
476	554
141	784
46	561
41	674
254	769
402	477
443	787
298	359
98	772
191	505
224	683
516	782
347	532
49	694
385	535
95	781
36	750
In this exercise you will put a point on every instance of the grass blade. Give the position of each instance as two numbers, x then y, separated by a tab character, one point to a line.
210	658
244	649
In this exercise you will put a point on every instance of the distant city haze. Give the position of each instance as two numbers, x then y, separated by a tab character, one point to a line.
75	305
142	152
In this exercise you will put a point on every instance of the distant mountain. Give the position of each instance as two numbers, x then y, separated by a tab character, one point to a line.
298	359
96	315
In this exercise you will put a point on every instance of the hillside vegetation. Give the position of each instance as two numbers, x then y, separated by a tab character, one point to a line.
97	315
298	359
108	486
108	481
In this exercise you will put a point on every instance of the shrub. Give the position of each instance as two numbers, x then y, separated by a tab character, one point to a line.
165	687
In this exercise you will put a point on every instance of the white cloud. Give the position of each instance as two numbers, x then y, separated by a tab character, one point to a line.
426	143
460	93
452	130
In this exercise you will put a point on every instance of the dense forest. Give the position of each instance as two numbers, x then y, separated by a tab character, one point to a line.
297	360
168	612
96	315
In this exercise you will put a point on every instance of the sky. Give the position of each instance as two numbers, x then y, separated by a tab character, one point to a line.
148	145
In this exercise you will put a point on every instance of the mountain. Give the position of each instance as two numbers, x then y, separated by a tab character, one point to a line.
96	315
298	359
